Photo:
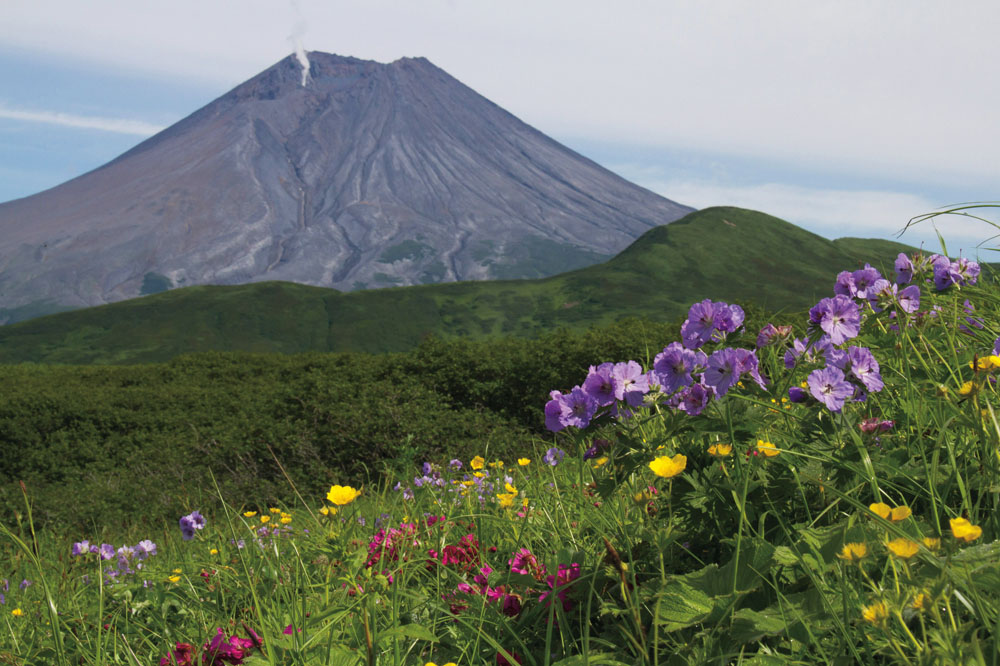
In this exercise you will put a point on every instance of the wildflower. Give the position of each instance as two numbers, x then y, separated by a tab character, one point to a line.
506	500
632	383
286	518
892	514
181	655
81	548
865	368
673	366
853	552
668	467
962	529
266	519
189	523
577	408
921	601
968	388
903	548
249	514
876	613
720	450
478	462
560	582
600	386
173	578
797	394
693	400
767	448
554	456
455	464
838	317
342	495
17	612
869	426
932	543
213	551
106	551
904	269
829	387
600	462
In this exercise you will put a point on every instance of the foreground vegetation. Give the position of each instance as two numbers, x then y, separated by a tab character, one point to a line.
656	278
756	497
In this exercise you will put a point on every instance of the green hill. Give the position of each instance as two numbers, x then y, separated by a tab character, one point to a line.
728	254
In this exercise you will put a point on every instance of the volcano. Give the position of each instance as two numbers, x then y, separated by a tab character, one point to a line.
358	175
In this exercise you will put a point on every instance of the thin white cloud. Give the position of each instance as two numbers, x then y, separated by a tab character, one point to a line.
117	125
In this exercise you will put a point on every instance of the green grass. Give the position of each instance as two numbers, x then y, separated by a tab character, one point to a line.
717	253
730	557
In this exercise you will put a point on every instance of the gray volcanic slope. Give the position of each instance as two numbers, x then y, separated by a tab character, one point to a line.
368	175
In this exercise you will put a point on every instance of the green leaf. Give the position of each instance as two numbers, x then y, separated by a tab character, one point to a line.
592	658
681	606
414	631
750	626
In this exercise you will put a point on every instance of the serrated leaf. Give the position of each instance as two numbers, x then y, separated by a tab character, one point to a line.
785	556
750	625
680	606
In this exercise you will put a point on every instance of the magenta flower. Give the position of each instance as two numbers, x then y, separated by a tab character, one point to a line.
829	387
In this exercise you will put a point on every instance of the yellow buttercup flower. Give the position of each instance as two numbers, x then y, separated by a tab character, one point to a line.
968	388
477	462
274	510
523	461
767	448
921	601
265	519
903	548
342	495
962	529
720	450
506	500
285	519
853	552
177	571
876	613
932	543
497	464
17	612
987	363
173	579
642	497
667	467
600	462
249	514
214	551
892	514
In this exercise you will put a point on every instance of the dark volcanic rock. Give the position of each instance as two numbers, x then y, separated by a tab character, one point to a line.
369	175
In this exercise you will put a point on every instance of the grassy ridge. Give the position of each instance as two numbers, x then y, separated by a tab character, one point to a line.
779	266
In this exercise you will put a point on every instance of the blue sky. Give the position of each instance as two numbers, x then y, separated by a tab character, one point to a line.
845	118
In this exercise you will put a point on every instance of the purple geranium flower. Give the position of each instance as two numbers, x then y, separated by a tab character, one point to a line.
829	387
844	286
865	368
553	415
797	394
705	318
107	551
724	369
81	548
674	365
863	279
554	456
904	269
695	398
838	317
909	299
600	384
577	408
632	383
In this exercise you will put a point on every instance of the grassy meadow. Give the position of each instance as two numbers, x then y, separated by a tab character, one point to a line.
825	493
707	254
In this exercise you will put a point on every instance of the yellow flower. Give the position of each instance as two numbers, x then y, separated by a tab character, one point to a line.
214	551
600	462
767	448
921	601
987	363
523	461
479	475
892	514
667	467
17	612
932	543
497	464
274	510
173	579
964	530
325	511
177	571
506	500
903	548
876	613
342	495
249	514
720	450
853	552
642	497
967	389
431	663
509	488
477	462
286	518
265	519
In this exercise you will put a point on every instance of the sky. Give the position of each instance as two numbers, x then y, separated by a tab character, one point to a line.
846	118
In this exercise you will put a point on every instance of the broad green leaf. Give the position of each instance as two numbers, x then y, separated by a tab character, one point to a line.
415	631
681	606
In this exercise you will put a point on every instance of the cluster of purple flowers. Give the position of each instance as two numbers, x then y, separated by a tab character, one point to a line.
5	587
128	559
191	522
685	377
944	271
483	482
